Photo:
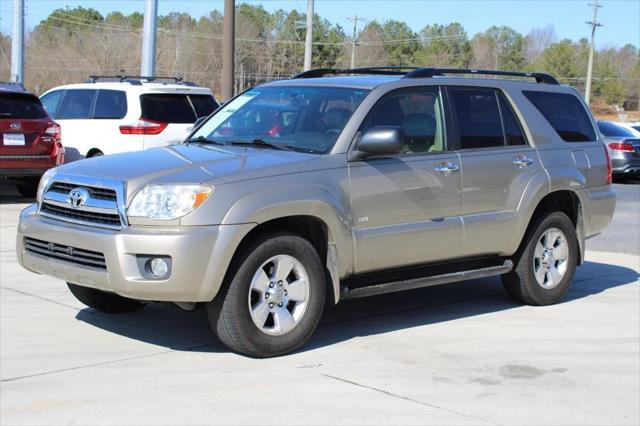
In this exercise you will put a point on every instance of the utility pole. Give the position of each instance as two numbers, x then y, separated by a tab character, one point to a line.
228	35
148	61
355	20
308	41
594	24
17	43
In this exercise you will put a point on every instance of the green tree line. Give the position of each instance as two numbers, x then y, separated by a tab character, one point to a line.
68	45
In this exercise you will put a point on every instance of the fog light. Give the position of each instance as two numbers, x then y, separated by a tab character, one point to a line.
159	267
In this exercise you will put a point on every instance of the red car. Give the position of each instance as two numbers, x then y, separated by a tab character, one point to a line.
29	139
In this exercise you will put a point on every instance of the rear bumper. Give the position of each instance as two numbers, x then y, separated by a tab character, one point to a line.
626	166
199	257
24	172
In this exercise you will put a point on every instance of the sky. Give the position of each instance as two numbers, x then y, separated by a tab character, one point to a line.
621	18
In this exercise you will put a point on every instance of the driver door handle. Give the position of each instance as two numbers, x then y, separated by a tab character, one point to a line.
522	161
446	168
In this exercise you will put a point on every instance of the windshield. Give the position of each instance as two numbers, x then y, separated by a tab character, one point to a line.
299	118
613	130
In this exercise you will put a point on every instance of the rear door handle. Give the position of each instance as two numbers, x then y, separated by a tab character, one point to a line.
522	162
446	168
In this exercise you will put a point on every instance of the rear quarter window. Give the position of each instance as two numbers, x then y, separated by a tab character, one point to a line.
565	113
21	106
167	108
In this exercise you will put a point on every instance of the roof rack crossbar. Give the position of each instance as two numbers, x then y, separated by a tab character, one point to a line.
431	72
137	79
418	72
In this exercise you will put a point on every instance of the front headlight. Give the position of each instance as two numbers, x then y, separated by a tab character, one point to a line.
167	201
44	182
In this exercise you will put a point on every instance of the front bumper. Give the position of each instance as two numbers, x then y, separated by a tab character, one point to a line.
200	256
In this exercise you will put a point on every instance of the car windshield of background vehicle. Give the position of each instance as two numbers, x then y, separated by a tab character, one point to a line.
614	131
299	118
20	107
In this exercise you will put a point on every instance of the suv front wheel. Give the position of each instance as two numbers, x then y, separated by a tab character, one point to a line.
544	267
274	301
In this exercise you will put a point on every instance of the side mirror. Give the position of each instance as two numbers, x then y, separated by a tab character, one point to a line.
199	121
381	140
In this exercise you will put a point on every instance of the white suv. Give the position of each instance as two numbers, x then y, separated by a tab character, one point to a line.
108	115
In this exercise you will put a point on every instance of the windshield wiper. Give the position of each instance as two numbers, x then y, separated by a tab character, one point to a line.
204	139
262	144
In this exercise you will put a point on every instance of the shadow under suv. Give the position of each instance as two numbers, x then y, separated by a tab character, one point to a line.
335	184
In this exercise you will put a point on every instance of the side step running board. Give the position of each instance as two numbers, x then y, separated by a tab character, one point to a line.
394	286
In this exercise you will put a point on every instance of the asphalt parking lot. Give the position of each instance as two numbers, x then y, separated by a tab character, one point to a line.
455	354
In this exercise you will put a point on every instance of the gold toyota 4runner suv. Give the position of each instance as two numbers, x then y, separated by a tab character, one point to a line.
335	184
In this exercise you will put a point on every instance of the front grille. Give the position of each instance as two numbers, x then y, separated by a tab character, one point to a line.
97	193
65	253
96	203
81	215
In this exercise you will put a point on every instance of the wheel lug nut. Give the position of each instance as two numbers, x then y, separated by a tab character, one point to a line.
270	285
271	305
280	283
266	296
280	304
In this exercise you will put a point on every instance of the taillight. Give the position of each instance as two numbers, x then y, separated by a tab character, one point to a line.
143	127
51	134
621	146
609	167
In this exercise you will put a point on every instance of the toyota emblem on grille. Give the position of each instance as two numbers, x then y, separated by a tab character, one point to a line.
15	126
77	197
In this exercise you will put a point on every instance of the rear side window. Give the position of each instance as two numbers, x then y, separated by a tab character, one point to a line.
167	108
76	104
565	113
512	129
16	105
50	102
478	118
111	104
203	104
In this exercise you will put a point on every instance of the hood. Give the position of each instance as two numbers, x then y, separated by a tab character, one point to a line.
193	163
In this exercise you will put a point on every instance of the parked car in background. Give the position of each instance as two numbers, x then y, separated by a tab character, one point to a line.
333	187
624	149
29	139
634	127
107	115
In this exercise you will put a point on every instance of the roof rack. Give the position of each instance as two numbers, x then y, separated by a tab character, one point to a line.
418	72
540	77
137	80
321	72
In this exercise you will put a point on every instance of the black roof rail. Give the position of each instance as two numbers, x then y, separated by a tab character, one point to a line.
431	72
321	72
137	79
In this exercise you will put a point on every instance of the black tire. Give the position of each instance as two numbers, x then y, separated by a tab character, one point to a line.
229	314
96	154
104	302
521	283
28	187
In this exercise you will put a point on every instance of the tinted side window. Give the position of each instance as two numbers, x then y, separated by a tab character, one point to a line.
50	102
419	114
203	104
76	104
167	108
111	104
478	116
512	129
21	106
566	115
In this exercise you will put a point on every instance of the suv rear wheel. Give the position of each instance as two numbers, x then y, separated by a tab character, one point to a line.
546	264
274	301
105	302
